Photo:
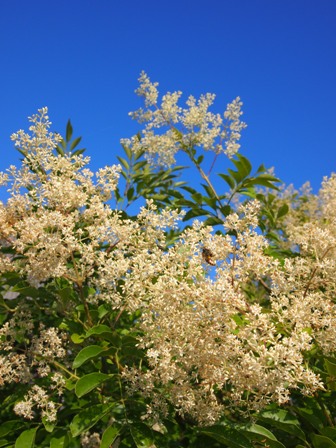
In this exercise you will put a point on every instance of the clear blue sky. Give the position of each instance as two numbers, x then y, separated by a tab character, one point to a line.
82	59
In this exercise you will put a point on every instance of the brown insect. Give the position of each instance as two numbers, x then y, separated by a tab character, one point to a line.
207	256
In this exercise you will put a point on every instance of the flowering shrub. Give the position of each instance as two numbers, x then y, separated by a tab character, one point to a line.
160	329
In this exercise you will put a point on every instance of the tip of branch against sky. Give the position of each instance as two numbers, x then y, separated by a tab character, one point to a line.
82	60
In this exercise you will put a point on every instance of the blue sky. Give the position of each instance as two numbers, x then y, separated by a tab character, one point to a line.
82	59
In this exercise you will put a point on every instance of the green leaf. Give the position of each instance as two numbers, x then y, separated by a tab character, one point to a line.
59	441
22	151
88	418
26	439
261	169
27	291
77	338
322	441
60	151
5	443
90	352
98	330
229	180
308	414
209	191
236	175
193	213
78	152
257	432
260	181
142	435
197	197
75	143
48	425
102	311
283	210
228	436
109	436
130	194
213	221
243	165
329	432
189	189
283	420
123	162
89	382
10	426
226	210
69	130
330	367
127	150
137	166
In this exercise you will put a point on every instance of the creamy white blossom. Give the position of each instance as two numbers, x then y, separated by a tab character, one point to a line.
170	128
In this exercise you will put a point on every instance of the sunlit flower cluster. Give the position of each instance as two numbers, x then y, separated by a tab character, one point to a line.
37	398
207	343
223	322
170	128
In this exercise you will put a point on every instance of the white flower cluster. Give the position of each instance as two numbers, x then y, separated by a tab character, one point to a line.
170	128
208	346
26	357
223	322
37	397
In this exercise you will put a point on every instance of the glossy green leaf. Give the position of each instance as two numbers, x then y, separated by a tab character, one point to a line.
256	432
322	441
329	432
189	189
69	131
261	169
99	330
75	143
60	150
90	352
60	441
213	221
123	162
137	166
142	435
229	180
228	436
236	175
77	338
5	443
10	426
311	417
127	150
89	382
283	210
26	439
49	426
109	436
283	420
330	366
196	211
211	202
28	291
78	152
197	197
130	194
89	417
209	191
243	165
